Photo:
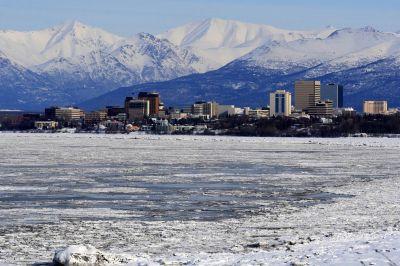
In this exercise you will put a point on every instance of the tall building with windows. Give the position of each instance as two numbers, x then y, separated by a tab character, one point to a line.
375	107
280	103
334	93
307	94
154	101
138	109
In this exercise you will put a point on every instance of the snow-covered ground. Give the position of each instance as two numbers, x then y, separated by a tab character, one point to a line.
200	200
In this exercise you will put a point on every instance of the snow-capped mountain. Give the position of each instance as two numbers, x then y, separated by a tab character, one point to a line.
83	62
68	40
343	48
366	61
73	62
222	41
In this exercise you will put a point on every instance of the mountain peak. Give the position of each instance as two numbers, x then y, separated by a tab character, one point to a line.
71	25
354	31
369	29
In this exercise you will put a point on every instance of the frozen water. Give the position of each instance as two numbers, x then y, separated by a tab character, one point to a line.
202	200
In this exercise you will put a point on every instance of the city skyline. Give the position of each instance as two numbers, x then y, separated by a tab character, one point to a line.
130	17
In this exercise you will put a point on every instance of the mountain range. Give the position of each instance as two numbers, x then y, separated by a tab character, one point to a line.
224	60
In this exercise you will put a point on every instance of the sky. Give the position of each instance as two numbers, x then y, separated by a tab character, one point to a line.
127	17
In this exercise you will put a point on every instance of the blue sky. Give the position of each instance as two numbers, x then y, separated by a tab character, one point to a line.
127	17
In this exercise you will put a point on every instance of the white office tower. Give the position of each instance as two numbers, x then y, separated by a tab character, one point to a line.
280	103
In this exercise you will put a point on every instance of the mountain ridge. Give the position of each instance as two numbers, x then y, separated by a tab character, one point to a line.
72	62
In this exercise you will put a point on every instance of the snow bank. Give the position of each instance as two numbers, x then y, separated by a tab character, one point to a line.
85	255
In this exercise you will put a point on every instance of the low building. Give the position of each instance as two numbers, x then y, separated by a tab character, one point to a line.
177	115
68	114
375	107
321	108
163	127
229	110
198	108
209	109
256	113
46	125
93	118
114	111
347	111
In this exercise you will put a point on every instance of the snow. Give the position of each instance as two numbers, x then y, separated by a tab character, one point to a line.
341	50
223	41
85	255
73	55
366	250
146	199
75	51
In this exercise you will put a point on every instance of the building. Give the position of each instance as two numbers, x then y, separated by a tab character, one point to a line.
321	108
229	110
93	118
154	101
255	113
333	92
375	107
280	103
138	109
68	114
209	109
198	108
307	94
50	113
347	111
46	125
126	104
114	111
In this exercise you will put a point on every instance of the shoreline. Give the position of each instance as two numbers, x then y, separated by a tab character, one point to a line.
143	133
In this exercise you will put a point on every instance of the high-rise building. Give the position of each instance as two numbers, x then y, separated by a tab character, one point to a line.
154	101
375	107
126	104
322	108
138	109
333	92
307	94
280	103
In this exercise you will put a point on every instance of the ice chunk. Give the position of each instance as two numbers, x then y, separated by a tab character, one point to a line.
85	255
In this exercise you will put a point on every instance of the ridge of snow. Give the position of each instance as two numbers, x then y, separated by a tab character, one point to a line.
226	40
342	49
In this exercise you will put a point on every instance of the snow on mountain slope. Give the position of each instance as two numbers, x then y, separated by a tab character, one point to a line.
67	40
342	49
142	58
223	41
72	62
82	61
73	40
157	59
